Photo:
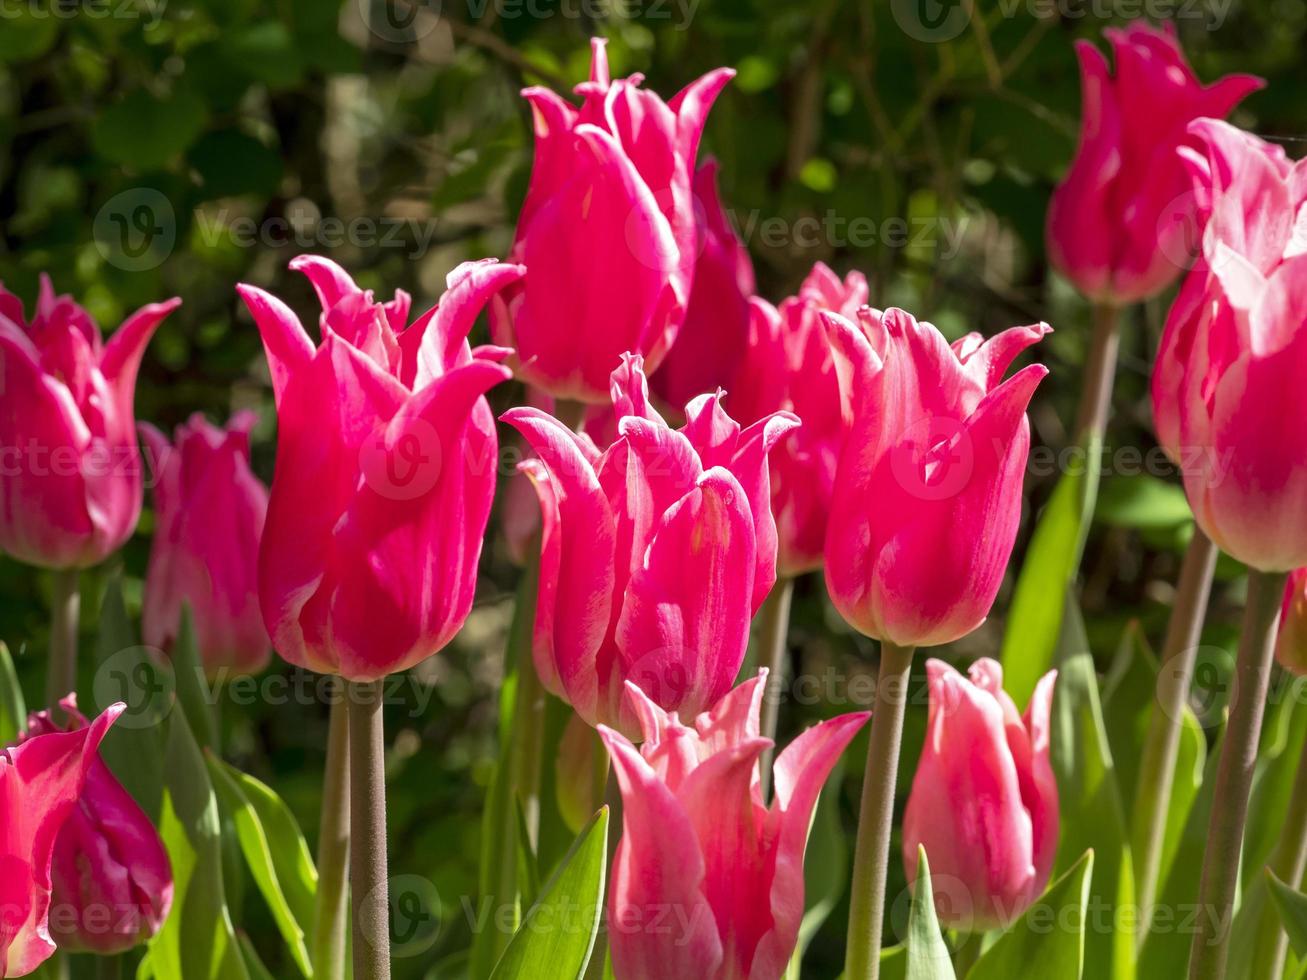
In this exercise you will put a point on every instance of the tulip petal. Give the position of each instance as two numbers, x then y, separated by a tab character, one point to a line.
287	346
437	342
329	280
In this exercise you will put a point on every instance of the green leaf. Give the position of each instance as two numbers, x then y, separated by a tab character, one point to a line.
146	133
29	32
192	688
232	162
1292	906
253	963
928	957
1142	502
13	712
550	942
1049	940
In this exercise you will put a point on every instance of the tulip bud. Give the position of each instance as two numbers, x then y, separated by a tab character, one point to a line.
41	779
927	495
1291	643
111	878
72	491
607	230
385	471
698	838
209	510
984	799
1121	224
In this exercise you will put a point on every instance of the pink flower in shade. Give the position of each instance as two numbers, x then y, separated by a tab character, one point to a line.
209	512
927	495
656	552
385	471
697	837
40	782
1120	223
984	799
1228	387
111	878
1291	643
608	230
70	493
715	335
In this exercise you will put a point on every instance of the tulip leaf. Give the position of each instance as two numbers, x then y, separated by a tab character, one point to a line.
253	963
928	957
550	941
1049	940
1142	501
894	962
13	713
192	688
1292	906
275	853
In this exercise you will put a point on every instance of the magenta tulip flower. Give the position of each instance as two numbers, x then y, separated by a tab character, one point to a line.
984	799
698	840
110	875
385	471
209	511
656	552
40	782
1121	223
70	476
608	230
1291	643
928	491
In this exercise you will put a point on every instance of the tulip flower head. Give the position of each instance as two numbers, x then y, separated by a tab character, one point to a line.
41	780
385	471
984	799
698	838
927	496
655	552
67	415
1121	223
608	230
1291	643
111	879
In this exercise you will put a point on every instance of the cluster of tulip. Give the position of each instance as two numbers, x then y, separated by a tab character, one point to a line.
820	433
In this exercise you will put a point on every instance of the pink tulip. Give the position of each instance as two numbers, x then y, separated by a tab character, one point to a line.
70	474
608	230
1291	643
40	782
698	840
209	511
928	491
656	552
1121	223
385	471
1227	390
112	881
984	799
715	334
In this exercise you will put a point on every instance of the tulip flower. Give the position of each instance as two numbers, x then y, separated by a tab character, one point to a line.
209	511
1291	642
715	334
656	552
385	471
927	495
110	875
40	782
608	230
984	799
71	478
1121	223
698	839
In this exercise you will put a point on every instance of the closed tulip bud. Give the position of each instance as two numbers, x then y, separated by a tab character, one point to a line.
984	799
111	878
209	511
608	230
698	838
927	495
1291	643
1121	225
655	552
41	780
72	483
385	471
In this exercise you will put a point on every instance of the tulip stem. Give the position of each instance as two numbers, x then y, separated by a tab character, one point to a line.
876	818
1161	746
1100	373
1289	862
775	623
333	852
528	708
61	671
1234	776
367	814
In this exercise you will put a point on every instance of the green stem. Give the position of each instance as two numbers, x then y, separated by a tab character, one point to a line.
1100	373
1161	745
1234	776
332	905
61	671
528	709
109	967
367	816
775	624
876	818
1289	862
